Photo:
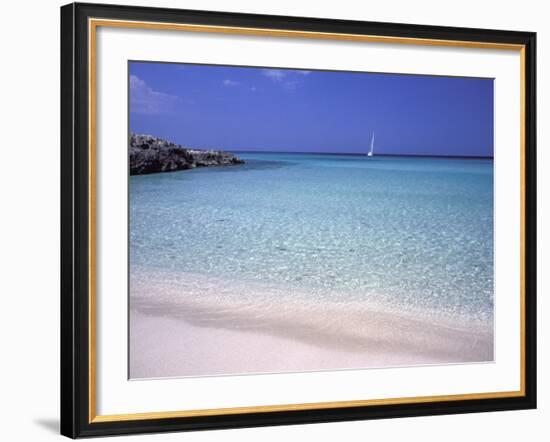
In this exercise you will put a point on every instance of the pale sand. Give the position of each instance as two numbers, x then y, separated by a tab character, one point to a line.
174	332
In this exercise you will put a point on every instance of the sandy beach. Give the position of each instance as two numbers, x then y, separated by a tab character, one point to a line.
177	331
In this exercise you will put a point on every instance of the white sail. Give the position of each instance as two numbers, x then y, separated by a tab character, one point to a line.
371	151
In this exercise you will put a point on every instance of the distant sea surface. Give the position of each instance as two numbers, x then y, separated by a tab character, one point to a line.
411	234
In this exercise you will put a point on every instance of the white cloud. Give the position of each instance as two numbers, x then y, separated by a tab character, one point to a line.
274	74
228	82
288	78
144	100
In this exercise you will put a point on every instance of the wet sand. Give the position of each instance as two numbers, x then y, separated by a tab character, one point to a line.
199	327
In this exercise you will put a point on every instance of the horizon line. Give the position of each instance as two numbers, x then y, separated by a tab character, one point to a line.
364	154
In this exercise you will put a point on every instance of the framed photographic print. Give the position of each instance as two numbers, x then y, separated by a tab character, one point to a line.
275	220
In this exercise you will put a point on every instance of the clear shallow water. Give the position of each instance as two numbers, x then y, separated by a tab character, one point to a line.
415	234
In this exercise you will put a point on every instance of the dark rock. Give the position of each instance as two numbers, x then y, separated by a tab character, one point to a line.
149	154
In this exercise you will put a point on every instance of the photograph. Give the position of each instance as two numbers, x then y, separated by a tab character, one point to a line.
288	220
285	218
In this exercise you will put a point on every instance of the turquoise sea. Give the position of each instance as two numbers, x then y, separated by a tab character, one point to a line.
409	233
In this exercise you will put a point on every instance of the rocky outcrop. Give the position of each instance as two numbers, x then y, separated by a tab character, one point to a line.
150	154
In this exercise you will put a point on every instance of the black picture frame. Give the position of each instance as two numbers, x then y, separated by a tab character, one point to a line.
75	221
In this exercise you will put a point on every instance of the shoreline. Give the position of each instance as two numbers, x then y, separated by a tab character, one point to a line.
174	332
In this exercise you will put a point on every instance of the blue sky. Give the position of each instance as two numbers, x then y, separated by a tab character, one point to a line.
263	109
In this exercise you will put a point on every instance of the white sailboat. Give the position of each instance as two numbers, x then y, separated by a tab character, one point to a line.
371	151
